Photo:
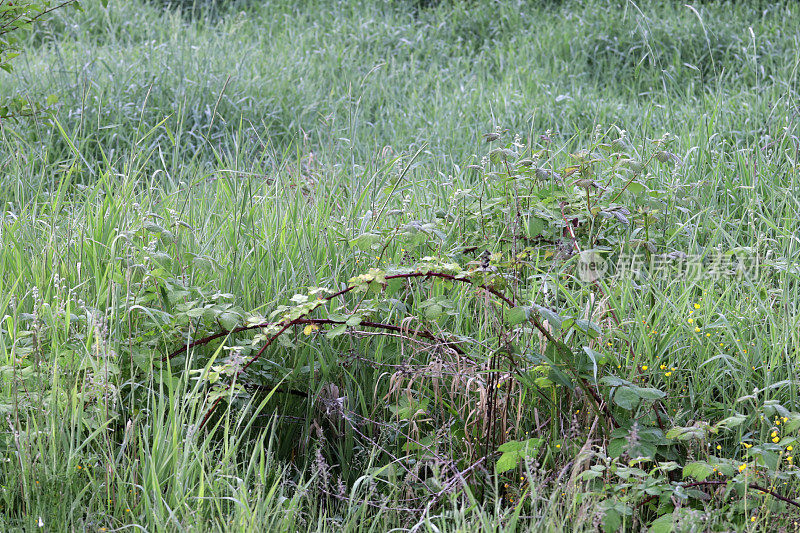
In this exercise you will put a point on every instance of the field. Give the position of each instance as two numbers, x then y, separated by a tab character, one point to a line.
408	266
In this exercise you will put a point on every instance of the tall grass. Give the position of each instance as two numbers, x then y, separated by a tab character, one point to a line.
265	137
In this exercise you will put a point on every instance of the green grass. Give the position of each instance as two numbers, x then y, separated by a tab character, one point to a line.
238	150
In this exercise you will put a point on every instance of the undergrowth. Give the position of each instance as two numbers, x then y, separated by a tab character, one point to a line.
210	322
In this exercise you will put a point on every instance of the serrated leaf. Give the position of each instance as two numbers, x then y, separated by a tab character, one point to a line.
663	524
699	431
589	328
732	421
517	315
366	241
616	447
507	461
612	521
535	227
195	312
698	470
626	398
202	263
432	312
648	393
636	188
228	320
335	332
551	316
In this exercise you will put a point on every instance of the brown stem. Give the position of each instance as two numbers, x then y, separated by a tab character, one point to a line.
441	275
598	404
752	486
319	321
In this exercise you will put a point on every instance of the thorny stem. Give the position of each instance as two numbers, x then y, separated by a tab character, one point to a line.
597	404
319	321
752	486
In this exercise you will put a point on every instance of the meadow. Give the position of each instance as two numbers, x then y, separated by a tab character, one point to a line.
402	266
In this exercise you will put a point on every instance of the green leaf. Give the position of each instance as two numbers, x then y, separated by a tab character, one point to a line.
557	376
514	451
774	408
596	358
793	424
299	298
662	524
626	398
421	444
152	227
636	188
354	320
616	447
202	263
698	470
698	431
228	320
195	312
142	358
648	393
535	226
518	445
549	315
732	421
498	155
366	241
335	332
517	315
614	381
162	259
432	312
589	328
394	285
507	461
769	459
612	521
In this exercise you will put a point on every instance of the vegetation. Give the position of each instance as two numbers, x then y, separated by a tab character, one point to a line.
419	266
15	19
